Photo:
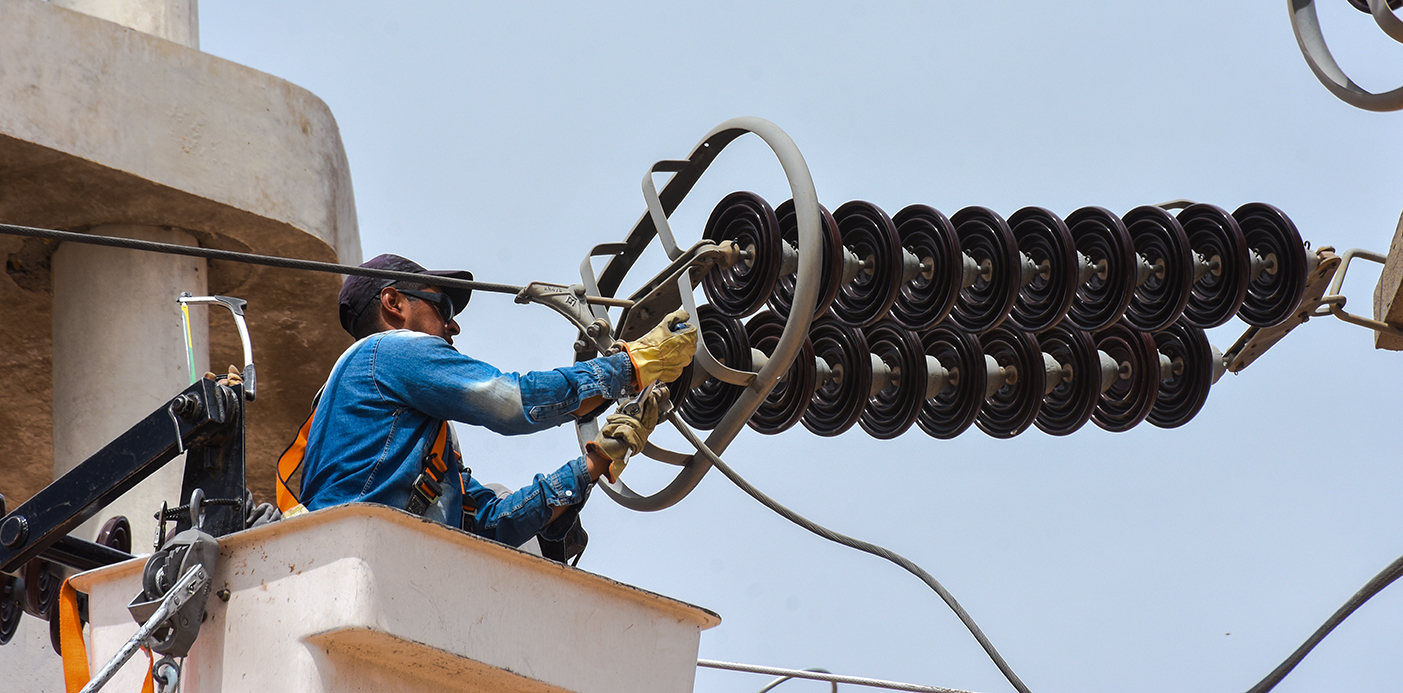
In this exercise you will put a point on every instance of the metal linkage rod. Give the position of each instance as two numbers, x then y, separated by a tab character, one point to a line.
249	258
821	676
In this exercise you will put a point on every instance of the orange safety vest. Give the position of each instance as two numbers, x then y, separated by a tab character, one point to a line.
435	468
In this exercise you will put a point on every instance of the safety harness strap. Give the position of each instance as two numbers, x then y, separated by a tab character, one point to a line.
427	488
288	465
429	485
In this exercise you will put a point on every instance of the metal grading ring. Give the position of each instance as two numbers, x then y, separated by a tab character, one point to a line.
1306	25
789	399
868	232
927	299
653	225
678	389
838	404
1072	400
831	277
1129	399
1043	238
725	337
892	410
741	289
1182	395
953	410
1159	240
1101	239
986	239
1012	408
1363	5
1215	237
1274	294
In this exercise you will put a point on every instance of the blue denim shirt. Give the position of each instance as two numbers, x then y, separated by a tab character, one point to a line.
378	414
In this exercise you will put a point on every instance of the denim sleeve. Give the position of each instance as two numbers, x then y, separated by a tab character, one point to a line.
426	373
518	516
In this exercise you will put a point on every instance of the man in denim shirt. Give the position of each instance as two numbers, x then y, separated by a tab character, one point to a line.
380	411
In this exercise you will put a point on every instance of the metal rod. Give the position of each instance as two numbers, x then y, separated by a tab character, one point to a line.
820	676
189	583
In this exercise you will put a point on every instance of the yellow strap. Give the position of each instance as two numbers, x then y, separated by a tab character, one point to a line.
75	649
288	464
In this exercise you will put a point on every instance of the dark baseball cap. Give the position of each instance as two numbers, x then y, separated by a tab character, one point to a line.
359	292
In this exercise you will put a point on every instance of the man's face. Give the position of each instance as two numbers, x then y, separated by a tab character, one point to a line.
423	316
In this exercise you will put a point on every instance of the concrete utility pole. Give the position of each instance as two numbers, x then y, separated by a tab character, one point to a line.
113	318
112	122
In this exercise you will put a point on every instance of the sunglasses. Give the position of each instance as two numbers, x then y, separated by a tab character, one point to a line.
443	303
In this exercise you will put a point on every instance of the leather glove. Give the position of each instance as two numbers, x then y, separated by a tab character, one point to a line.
626	431
662	353
233	378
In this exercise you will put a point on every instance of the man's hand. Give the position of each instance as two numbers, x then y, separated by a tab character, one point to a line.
626	431
233	378
662	353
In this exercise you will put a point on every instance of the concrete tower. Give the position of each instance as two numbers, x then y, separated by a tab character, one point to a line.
113	122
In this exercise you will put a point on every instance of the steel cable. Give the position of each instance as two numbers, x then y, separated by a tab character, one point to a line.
856	544
249	258
821	675
1371	588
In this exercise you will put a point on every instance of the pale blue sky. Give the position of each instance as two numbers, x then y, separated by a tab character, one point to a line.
508	138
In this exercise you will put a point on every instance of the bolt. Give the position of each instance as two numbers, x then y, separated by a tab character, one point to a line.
15	532
580	345
187	406
223	594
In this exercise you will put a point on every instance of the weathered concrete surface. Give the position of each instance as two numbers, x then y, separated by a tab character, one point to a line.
101	124
172	20
119	350
368	598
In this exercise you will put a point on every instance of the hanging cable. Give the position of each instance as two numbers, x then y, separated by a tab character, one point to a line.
248	258
1371	588
858	544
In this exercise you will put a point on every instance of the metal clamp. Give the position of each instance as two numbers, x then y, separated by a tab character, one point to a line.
1336	302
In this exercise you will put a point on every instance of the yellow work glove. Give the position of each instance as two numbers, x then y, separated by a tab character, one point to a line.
662	353
234	377
626	431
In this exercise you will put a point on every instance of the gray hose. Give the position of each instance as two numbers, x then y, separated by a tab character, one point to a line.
858	544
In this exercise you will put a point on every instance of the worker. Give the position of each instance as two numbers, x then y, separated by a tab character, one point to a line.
378	432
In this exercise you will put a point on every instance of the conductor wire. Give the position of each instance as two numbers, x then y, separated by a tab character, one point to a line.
249	258
858	544
1370	588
